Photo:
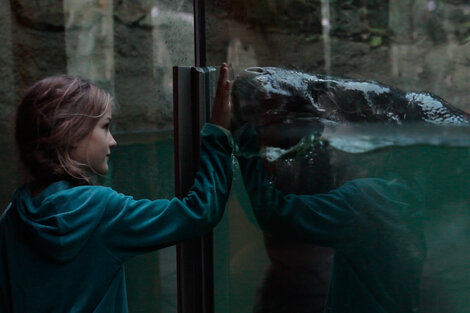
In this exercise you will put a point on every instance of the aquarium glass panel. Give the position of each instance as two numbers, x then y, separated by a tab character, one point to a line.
352	149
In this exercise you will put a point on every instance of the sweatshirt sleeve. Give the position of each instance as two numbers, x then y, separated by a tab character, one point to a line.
135	226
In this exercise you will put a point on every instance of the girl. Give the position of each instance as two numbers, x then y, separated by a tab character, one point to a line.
63	241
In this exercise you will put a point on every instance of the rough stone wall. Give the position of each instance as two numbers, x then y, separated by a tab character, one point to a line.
134	78
38	41
32	47
6	74
411	44
89	40
8	176
127	47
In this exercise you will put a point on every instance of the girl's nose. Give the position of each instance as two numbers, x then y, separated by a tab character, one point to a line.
112	141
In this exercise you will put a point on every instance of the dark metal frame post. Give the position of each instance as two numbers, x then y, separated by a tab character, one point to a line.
194	89
185	169
199	32
192	99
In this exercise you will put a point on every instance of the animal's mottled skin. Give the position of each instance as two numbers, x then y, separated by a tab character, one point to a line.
278	100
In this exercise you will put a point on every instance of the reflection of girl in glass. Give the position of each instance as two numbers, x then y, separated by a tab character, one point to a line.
374	226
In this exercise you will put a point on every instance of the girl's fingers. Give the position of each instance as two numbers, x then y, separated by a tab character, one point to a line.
221	107
223	85
223	74
226	90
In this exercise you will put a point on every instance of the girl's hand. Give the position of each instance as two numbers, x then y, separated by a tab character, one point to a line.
221	108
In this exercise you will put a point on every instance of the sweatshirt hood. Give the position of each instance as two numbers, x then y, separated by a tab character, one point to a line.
58	221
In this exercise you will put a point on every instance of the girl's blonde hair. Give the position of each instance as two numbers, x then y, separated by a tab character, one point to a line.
55	114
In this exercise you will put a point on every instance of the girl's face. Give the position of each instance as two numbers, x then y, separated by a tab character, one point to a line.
95	148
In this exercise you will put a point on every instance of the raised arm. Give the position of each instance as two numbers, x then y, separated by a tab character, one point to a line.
133	227
221	109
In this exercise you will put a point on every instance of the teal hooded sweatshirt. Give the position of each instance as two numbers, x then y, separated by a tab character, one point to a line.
63	250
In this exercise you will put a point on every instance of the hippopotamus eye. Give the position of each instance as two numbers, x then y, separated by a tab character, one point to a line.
277	112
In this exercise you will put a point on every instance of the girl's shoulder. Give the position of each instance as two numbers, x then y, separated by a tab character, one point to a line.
86	191
65	192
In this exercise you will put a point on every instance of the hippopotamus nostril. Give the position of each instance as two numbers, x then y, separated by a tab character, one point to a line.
255	70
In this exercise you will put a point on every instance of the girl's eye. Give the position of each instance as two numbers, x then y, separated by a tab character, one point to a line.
106	126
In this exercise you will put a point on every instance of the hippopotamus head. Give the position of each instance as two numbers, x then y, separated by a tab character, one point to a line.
277	105
275	102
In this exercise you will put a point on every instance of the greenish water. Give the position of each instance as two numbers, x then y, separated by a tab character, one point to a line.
434	161
145	171
438	162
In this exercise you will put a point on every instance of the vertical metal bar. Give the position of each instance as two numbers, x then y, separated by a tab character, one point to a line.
183	119
200	32
188	269
195	285
193	94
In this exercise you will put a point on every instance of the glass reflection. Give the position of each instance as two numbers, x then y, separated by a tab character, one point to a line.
352	167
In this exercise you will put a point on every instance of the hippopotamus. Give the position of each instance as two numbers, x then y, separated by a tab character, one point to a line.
277	99
284	107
